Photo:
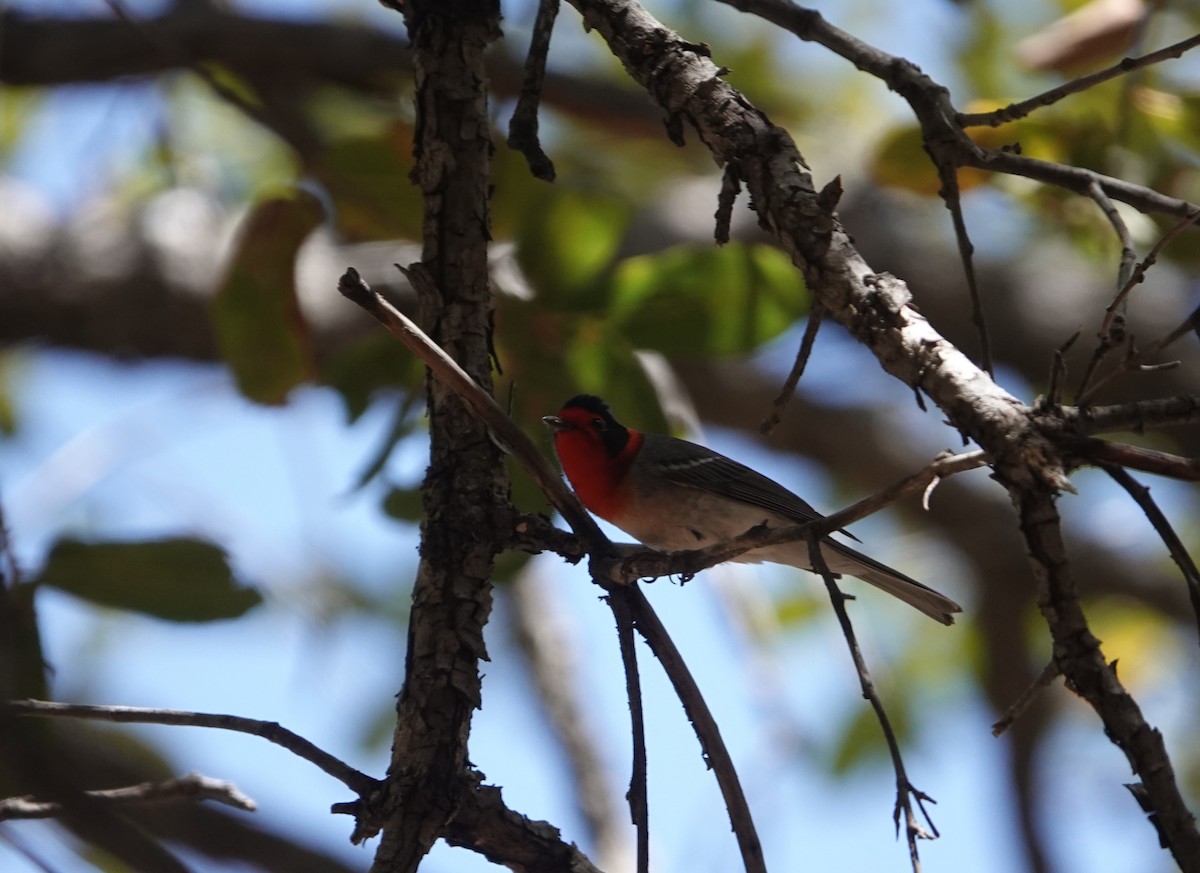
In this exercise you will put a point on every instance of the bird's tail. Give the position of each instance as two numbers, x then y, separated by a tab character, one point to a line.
843	559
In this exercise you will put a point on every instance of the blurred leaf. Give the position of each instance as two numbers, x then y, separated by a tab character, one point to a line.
175	579
22	664
861	740
404	504
403	425
9	362
362	370
691	301
260	330
797	608
367	178
901	161
20	110
508	564
602	361
565	244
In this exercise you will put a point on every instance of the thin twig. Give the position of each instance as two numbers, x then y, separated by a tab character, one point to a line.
906	792
1135	416
731	186
360	783
639	809
1100	452
551	661
1049	673
1016	111
510	437
523	126
715	752
1139	272
1179	553
802	355
190	787
949	192
1128	253
1058	373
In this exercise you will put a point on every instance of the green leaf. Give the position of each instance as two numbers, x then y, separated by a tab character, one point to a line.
693	301
565	244
260	330
404	504
367	177
176	579
363	369
861	741
22	667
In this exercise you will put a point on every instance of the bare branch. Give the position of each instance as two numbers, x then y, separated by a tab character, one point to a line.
622	608
359	783
1139	273
698	713
1179	553
1101	452
189	788
905	791
483	823
1128	253
1078	655
1135	416
523	127
1017	111
798	365
509	437
1049	673
949	192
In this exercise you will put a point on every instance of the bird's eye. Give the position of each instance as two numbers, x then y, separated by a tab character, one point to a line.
598	423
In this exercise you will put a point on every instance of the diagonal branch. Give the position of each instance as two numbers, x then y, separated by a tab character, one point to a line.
1018	110
191	787
622	608
483	823
359	783
1179	553
906	792
1087	672
793	378
1135	416
523	126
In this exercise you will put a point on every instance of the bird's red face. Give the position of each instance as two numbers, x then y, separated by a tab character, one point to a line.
595	451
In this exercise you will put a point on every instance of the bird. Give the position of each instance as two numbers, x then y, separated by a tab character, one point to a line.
672	495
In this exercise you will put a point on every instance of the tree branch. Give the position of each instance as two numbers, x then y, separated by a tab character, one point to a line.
484	824
1135	416
1175	547
906	792
1078	656
189	788
1019	110
359	783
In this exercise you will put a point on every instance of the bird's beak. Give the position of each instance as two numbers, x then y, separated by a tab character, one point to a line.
556	423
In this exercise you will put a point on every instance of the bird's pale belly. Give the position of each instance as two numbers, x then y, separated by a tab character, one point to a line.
697	520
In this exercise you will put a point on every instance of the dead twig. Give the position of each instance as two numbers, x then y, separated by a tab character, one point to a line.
185	788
